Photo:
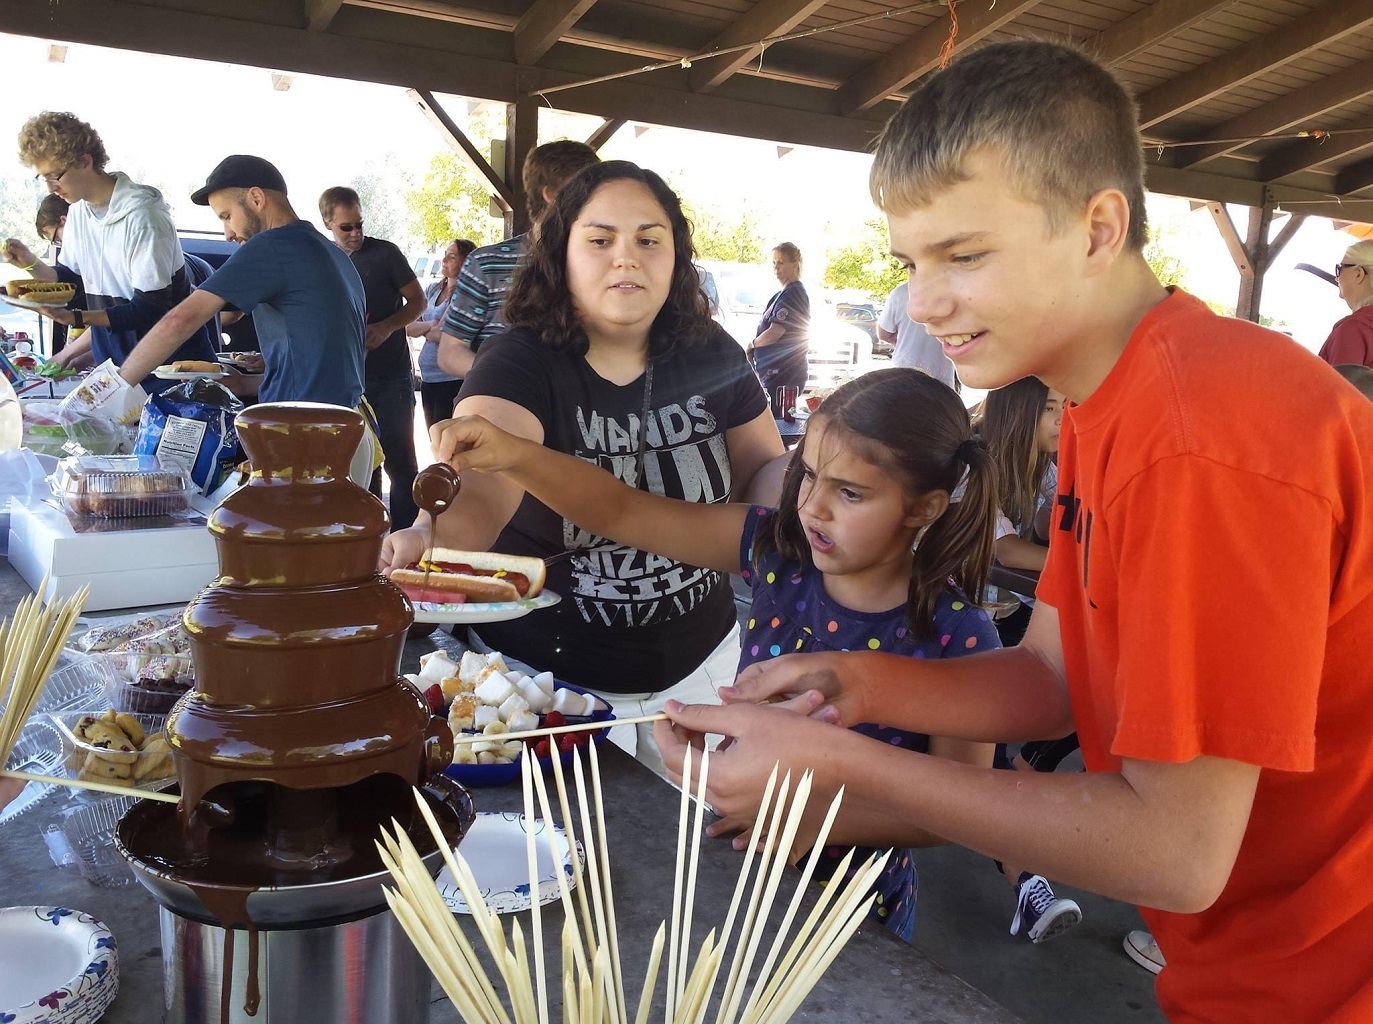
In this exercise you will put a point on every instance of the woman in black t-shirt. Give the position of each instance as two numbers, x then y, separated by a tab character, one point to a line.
608	321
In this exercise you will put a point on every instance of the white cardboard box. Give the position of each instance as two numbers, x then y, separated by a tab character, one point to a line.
126	568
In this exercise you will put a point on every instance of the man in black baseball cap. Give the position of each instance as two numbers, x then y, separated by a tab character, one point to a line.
304	295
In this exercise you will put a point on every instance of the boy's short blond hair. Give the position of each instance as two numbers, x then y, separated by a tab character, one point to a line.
60	138
1064	126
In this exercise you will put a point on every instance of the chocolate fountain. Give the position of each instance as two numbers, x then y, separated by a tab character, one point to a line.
298	743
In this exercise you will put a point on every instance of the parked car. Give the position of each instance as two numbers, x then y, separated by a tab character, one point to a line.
739	294
863	316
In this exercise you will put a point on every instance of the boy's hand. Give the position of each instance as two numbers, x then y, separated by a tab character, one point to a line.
401	547
761	737
473	442
832	699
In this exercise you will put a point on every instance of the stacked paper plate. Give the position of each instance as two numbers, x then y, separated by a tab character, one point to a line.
57	966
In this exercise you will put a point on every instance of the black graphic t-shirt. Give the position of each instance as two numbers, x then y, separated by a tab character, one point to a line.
629	621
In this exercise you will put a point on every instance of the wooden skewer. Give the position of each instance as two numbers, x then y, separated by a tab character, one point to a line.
99	787
477	737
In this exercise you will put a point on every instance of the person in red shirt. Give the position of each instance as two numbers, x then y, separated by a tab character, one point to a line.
1204	615
1351	339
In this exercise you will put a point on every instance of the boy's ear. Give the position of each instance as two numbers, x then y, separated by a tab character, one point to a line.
1108	226
927	508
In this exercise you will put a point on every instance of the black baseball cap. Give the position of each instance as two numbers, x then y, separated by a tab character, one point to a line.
240	171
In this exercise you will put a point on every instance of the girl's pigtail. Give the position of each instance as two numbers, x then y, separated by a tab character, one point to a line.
959	544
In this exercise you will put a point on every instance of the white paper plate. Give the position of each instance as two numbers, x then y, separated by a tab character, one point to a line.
494	848
482	611
57	966
14	300
162	374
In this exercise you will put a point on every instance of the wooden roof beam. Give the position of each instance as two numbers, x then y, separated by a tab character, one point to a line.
1298	106
544	24
1158	21
1304	154
1355	177
319	13
458	141
763	19
602	135
907	61
1311	31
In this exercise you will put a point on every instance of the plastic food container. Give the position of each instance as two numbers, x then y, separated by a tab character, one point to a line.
88	831
119	486
120	766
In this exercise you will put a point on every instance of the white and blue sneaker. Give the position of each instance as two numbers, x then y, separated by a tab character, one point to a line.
1039	914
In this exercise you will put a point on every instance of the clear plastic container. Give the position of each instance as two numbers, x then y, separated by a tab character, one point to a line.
146	685
116	487
87	829
124	765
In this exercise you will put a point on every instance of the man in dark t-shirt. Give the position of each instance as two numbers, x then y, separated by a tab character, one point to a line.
781	351
394	299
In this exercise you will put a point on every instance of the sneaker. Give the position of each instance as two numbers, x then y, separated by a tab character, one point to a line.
1040	913
1144	951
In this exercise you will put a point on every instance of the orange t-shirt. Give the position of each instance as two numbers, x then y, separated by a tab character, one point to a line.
1212	567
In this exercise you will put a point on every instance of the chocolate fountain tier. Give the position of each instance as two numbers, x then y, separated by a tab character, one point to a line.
299	521
272	647
331	743
148	837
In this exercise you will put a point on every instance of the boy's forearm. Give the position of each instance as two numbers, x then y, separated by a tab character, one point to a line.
999	696
1106	836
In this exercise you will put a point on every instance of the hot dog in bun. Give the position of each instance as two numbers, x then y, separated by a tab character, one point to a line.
41	291
445	576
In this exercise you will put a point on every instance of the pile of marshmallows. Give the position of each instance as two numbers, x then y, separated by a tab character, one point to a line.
488	697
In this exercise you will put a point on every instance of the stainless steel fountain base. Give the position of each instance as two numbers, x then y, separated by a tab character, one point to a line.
362	972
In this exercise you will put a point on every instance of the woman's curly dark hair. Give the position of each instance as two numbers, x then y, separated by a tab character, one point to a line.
540	301
916	427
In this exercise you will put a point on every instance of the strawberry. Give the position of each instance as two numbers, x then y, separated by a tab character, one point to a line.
543	747
434	698
554	719
568	742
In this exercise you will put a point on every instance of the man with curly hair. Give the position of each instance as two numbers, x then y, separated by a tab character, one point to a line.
119	241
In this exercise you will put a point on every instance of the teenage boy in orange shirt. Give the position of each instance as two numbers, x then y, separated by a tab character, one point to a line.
1204	617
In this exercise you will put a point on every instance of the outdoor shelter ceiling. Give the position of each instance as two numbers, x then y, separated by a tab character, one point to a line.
1243	77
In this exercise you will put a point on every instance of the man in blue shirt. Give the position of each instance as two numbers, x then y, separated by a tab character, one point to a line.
302	291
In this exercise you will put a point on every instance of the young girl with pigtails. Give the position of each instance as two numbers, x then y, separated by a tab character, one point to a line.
869	548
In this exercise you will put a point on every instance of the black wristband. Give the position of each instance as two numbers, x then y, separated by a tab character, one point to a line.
78	320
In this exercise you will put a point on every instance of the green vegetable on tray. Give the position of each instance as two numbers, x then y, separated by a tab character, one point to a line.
54	371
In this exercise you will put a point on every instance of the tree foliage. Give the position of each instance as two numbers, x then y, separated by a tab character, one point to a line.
452	201
720	236
865	264
1167	267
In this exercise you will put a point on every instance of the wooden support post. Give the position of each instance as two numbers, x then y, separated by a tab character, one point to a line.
521	136
602	135
1256	253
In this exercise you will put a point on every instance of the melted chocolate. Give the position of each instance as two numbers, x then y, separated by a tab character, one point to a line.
434	489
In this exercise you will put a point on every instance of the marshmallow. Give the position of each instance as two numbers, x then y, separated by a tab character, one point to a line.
511	705
473	667
522	721
436	667
495	660
544	681
484	715
572	703
537	700
495	689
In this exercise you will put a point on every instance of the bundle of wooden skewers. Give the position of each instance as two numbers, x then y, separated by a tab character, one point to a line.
30	644
592	987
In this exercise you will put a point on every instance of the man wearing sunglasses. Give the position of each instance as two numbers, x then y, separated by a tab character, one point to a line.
1351	339
394	300
119	241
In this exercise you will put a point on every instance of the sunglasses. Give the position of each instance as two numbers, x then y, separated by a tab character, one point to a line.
348	229
1341	266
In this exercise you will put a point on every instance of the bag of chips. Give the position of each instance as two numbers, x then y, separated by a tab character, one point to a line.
192	426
